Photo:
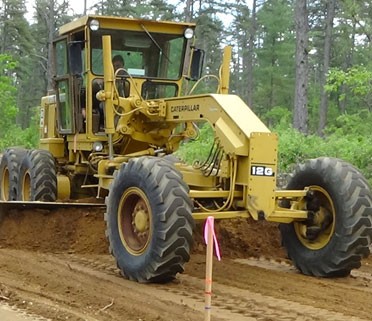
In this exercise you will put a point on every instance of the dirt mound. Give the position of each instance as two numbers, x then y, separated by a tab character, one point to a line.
240	238
82	230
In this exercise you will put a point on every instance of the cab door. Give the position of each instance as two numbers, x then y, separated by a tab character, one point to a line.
63	87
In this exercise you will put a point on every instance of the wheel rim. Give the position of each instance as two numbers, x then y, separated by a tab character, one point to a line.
134	221
5	185
26	186
326	210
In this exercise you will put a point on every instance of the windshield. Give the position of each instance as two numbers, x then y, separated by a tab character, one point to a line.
147	55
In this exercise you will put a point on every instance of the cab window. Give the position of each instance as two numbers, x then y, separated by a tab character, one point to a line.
158	56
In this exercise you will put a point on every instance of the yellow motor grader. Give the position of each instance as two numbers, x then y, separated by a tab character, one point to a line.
111	132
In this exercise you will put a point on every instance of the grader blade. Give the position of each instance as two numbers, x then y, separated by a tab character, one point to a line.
6	206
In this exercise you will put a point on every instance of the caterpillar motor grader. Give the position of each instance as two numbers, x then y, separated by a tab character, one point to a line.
111	133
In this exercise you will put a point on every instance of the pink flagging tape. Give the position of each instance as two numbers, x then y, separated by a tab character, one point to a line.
209	228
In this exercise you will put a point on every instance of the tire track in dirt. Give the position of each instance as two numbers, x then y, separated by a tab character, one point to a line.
359	279
60	289
79	286
255	305
349	296
30	299
8	312
231	303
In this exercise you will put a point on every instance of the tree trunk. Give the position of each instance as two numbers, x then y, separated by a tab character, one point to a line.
347	64
251	47
4	30
51	29
323	108
189	10
300	115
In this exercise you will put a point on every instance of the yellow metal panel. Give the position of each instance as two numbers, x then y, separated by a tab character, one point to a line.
241	114
261	195
287	215
232	142
263	148
127	24
291	193
63	187
197	179
262	173
80	145
151	25
225	74
108	87
73	25
213	194
243	171
236	114
104	182
220	215
48	117
54	145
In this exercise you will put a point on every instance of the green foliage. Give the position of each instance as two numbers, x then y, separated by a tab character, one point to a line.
28	138
149	9
10	133
278	116
357	79
275	56
358	124
352	87
348	138
198	149
8	109
295	147
209	34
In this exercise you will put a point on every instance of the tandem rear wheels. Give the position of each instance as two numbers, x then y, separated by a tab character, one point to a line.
338	233
27	175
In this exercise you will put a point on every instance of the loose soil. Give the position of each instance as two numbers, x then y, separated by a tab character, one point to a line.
54	265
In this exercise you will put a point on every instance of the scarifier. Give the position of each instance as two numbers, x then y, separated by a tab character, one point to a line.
111	134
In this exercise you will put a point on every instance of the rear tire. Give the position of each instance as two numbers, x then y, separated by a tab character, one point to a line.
9	171
37	179
342	201
149	221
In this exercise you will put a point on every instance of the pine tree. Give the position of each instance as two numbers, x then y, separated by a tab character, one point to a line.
300	114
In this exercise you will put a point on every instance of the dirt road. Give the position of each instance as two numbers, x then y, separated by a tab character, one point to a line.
56	267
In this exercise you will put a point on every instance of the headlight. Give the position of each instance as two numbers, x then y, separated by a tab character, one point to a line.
97	147
94	25
188	33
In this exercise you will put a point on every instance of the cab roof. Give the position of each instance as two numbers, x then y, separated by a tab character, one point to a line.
124	23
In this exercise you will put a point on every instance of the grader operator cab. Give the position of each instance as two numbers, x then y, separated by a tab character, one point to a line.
110	132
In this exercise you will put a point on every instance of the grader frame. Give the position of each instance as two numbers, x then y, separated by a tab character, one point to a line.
152	201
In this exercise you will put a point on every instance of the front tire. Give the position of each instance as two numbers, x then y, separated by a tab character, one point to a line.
338	234
149	221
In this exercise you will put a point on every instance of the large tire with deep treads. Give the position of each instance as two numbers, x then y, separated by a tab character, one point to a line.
149	221
37	178
9	172
338	236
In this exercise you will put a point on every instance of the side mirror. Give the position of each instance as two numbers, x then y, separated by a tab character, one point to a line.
75	61
196	66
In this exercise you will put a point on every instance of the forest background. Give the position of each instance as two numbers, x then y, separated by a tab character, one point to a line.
303	66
